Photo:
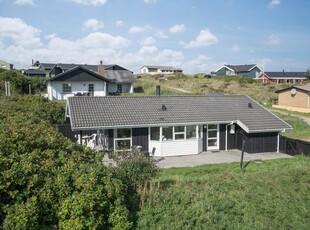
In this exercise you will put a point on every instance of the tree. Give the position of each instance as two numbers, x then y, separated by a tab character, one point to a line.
308	74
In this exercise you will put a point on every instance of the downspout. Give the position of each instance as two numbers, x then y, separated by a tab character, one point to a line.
278	143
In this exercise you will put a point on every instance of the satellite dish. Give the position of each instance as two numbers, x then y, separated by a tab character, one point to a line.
293	91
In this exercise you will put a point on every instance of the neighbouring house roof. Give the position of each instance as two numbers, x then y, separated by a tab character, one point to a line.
34	72
79	73
286	75
305	88
239	68
119	76
168	68
66	67
112	112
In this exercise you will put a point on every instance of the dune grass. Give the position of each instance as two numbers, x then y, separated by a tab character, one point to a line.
269	195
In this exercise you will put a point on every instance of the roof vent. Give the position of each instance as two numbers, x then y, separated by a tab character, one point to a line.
250	105
163	108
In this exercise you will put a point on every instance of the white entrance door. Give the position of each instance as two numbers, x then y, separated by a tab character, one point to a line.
213	137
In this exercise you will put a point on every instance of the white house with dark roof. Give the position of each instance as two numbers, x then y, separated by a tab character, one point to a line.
68	81
178	125
251	70
155	69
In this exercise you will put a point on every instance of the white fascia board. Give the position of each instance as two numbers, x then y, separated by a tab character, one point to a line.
151	125
254	67
224	66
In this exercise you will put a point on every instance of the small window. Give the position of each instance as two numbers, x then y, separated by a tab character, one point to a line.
179	132
167	133
66	88
91	89
191	132
155	133
119	88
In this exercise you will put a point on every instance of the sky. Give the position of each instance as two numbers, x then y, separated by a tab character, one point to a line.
198	36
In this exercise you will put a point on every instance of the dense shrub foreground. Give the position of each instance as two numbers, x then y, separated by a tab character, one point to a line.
48	182
270	195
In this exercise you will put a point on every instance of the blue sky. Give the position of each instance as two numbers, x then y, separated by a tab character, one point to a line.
198	36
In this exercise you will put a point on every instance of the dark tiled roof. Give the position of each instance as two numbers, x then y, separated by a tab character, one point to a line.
34	72
167	68
120	76
65	66
78	73
105	112
241	68
290	75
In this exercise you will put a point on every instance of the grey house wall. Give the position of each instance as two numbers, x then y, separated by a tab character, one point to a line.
140	136
253	73
221	72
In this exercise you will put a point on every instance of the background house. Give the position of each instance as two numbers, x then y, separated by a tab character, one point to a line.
177	125
6	65
282	77
242	70
153	69
296	98
81	80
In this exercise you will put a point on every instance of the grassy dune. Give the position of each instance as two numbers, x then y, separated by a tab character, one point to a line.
266	195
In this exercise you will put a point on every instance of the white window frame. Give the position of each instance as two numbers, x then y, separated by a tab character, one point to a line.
64	85
179	133
213	138
122	138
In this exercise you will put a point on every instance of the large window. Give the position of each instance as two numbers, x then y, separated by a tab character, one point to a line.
171	133
191	132
155	133
167	133
66	88
122	139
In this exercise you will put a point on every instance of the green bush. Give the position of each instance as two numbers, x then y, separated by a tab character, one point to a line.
20	84
47	180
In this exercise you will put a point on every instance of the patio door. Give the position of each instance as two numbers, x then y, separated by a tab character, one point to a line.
213	137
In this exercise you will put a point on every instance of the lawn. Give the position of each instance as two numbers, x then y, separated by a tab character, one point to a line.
267	195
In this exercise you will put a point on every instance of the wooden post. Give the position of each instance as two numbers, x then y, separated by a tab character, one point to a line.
29	89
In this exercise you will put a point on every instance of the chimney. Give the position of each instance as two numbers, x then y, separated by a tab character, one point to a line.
157	90
101	69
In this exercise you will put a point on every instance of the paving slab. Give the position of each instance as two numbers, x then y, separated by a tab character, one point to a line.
218	157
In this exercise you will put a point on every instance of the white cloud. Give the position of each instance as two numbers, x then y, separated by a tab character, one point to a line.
148	41
24	2
139	29
93	24
273	40
119	23
234	49
274	3
150	1
90	2
205	38
177	28
198	65
18	32
160	34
